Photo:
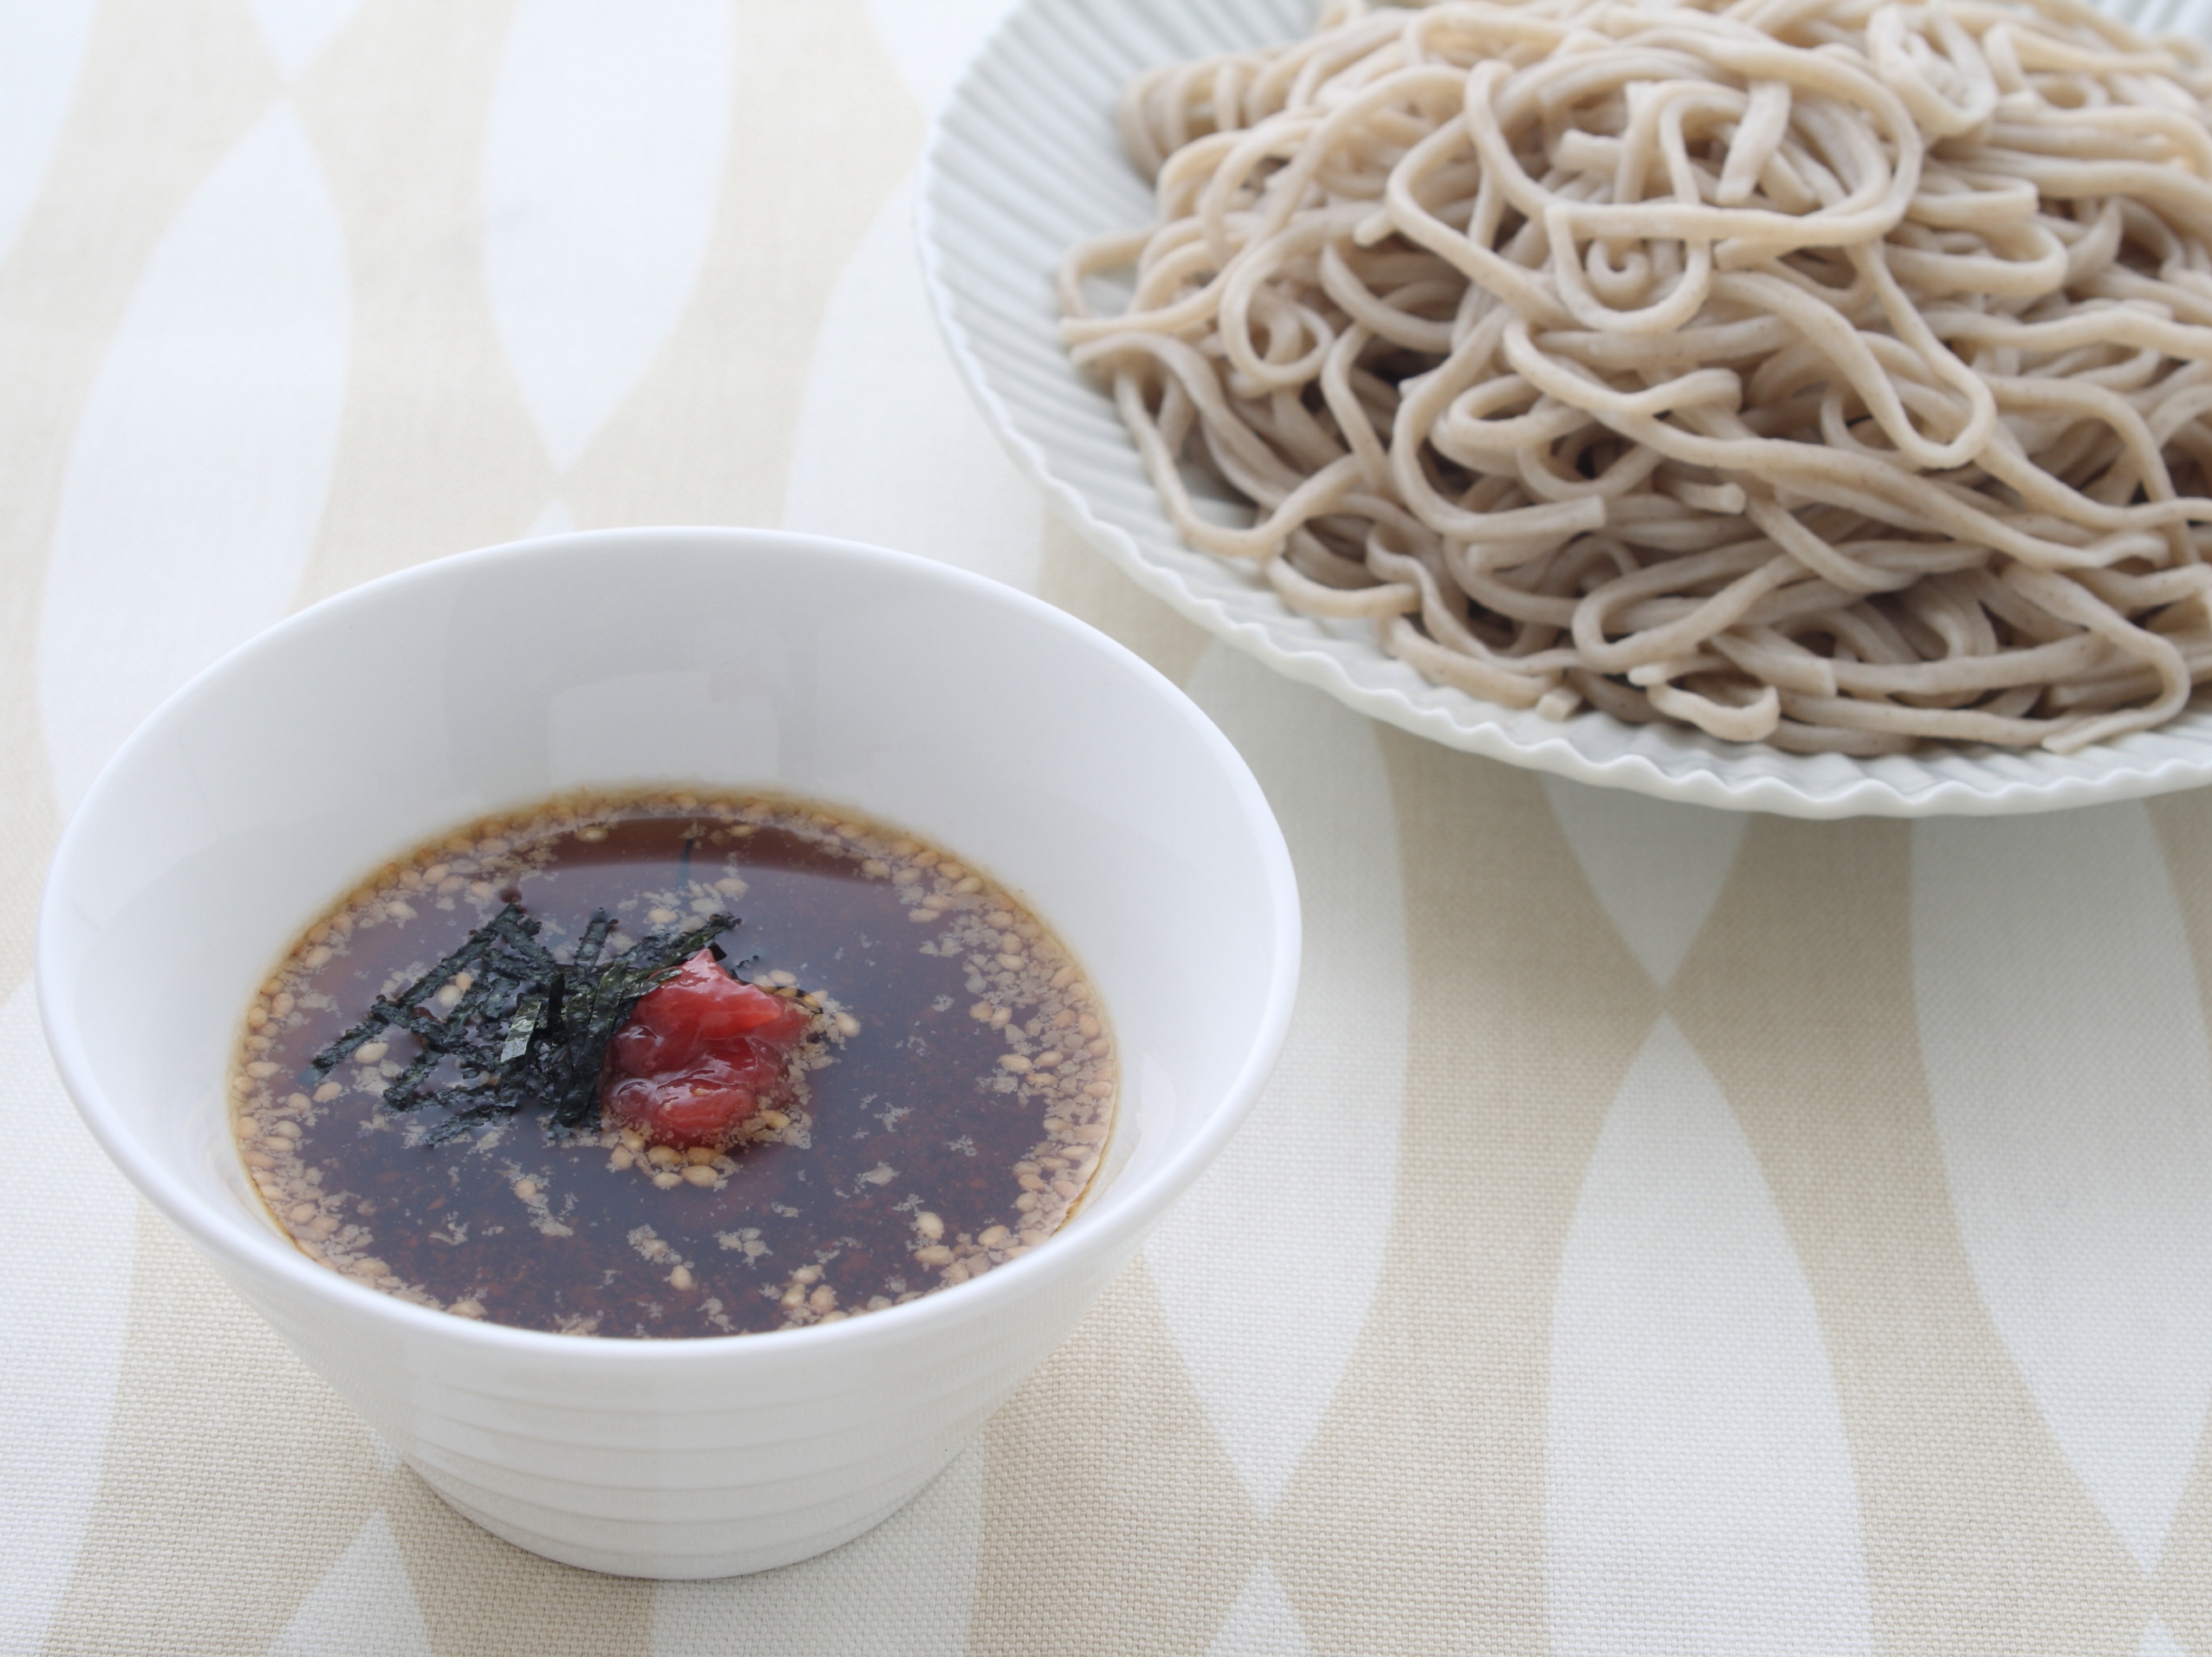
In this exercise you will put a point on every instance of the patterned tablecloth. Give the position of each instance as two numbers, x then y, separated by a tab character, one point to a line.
1666	1232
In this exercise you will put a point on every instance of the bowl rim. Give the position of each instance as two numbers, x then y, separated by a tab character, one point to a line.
1720	775
221	1236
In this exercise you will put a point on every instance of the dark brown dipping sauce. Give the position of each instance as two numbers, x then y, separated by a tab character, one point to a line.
949	1115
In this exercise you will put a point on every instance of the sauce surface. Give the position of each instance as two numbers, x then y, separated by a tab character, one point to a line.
944	1119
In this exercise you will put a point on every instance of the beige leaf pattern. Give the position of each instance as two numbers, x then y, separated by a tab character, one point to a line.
1799	998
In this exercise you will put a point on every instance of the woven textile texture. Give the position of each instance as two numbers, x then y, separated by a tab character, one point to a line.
1667	1233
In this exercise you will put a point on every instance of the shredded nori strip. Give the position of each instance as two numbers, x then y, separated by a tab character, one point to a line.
529	1030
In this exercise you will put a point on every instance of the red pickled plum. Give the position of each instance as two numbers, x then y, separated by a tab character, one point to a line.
701	1056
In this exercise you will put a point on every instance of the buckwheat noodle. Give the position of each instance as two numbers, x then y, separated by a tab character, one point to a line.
1818	371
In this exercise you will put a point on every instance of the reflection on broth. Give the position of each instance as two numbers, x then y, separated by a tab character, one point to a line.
893	1079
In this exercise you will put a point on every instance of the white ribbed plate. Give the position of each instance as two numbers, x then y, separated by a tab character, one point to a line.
1024	162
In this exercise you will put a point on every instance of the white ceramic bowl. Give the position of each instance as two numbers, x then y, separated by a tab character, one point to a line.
1024	162
934	699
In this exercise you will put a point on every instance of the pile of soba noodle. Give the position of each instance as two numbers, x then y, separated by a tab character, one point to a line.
1828	373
